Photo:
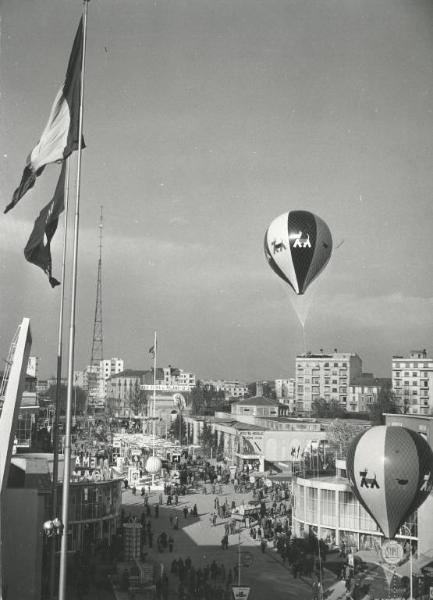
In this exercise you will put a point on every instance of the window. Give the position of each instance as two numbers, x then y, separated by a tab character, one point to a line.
328	507
311	508
348	510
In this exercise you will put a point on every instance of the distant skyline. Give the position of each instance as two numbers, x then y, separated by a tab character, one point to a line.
203	122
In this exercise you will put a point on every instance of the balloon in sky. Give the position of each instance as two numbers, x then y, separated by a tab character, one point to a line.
390	469
298	245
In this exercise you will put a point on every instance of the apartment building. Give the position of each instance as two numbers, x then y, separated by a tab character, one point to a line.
412	382
285	391
325	376
364	392
231	388
111	366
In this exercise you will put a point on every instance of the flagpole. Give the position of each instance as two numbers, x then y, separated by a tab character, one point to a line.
67	451
154	401
58	395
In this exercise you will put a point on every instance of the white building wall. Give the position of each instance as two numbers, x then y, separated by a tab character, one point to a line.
325	376
412	382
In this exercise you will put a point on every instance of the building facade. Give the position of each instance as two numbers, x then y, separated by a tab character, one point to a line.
111	366
364	392
412	382
285	392
231	388
326	376
123	389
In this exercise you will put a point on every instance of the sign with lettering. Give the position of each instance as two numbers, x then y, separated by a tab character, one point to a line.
240	592
392	552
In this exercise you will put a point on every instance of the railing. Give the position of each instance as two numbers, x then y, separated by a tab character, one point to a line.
9	361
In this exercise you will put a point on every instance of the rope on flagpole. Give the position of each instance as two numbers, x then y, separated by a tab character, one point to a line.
58	389
67	451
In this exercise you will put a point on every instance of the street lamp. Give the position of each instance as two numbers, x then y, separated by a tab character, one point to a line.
53	528
409	533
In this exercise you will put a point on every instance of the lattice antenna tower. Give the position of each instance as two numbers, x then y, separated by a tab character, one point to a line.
98	339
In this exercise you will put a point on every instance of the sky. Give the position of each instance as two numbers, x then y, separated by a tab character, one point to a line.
203	122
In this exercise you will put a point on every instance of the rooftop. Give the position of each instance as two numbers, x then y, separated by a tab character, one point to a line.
257	401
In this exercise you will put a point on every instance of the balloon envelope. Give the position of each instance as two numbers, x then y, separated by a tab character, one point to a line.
153	465
298	245
390	469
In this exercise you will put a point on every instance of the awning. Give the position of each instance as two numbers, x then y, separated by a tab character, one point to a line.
423	561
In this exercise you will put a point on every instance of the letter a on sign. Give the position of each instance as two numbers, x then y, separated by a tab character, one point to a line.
240	592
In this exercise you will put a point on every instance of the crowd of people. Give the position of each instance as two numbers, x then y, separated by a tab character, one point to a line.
210	582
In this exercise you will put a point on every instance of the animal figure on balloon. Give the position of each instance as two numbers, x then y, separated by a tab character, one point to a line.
298	246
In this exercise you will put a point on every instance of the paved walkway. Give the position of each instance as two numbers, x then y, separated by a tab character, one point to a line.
201	541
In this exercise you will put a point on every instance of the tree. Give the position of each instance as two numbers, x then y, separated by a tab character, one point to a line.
178	429
206	400
322	408
385	403
341	434
137	399
197	399
79	398
206	439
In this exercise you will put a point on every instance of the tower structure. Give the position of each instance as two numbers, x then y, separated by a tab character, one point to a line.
95	380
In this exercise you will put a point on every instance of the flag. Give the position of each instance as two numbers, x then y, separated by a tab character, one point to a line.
152	350
38	248
60	136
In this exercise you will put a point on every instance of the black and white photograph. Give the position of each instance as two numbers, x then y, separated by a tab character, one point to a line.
216	332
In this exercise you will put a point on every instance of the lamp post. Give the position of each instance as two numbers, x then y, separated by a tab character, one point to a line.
410	562
52	529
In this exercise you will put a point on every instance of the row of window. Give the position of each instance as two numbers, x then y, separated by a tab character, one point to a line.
412	365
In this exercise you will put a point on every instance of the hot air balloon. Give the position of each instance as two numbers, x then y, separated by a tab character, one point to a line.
298	245
390	469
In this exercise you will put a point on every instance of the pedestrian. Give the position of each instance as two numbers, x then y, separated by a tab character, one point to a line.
263	545
185	512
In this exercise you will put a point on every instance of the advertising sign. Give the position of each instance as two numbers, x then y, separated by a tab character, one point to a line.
392	552
240	592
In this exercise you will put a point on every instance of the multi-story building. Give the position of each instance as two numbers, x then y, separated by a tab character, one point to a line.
412	382
326	376
285	391
231	388
111	366
364	392
168	379
123	390
173	377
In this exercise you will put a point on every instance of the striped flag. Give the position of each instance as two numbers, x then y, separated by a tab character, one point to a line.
60	136
38	248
